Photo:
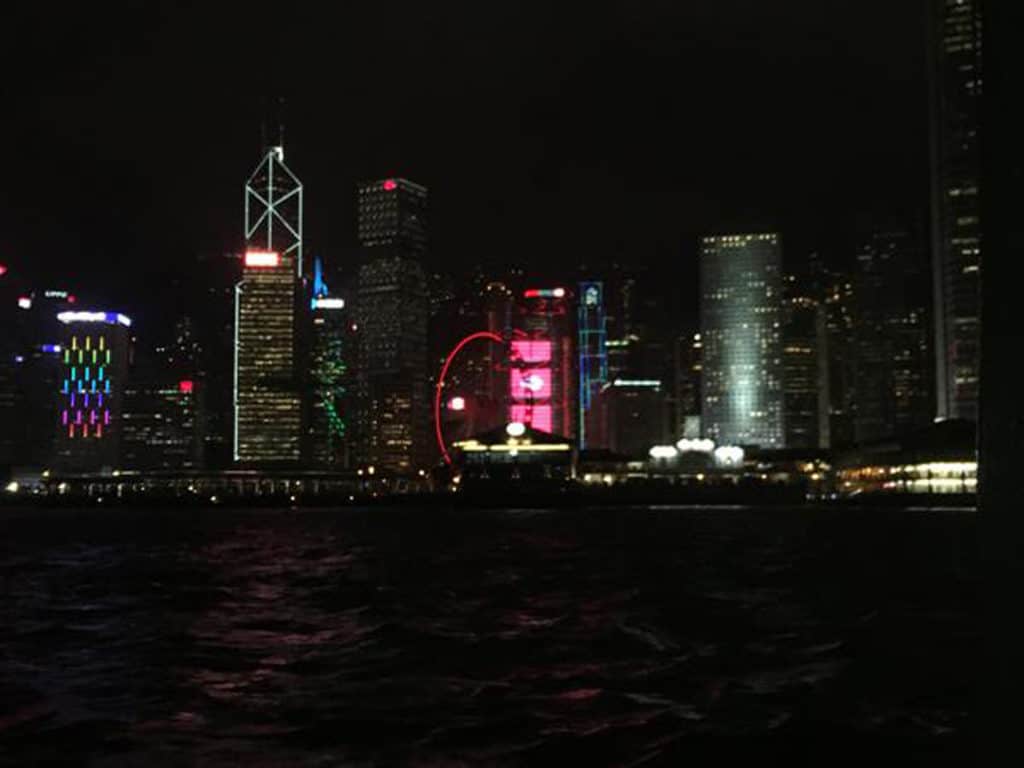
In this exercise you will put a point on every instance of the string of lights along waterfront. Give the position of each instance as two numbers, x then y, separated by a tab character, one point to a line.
377	368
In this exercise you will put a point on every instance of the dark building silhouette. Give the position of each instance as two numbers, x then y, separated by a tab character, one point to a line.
392	311
892	372
956	94
805	369
162	424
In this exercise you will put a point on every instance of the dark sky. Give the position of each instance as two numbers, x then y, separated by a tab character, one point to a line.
547	135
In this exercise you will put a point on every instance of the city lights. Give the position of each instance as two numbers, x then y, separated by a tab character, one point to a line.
25	302
663	452
544	293
457	404
687	445
328	303
729	455
262	259
110	318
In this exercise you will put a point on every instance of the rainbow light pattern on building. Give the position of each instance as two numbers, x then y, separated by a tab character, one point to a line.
85	387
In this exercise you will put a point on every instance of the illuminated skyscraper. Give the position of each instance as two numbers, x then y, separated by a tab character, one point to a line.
329	371
392	316
268	370
740	309
592	349
94	356
543	380
956	92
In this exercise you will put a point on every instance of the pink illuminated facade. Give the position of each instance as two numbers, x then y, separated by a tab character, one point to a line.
541	383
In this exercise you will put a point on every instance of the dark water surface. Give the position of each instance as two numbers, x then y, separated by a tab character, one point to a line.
387	637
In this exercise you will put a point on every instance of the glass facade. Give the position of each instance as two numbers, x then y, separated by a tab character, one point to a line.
392	314
740	308
268	404
329	369
956	72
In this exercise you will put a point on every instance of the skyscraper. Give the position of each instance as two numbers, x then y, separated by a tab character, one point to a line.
956	92
269	374
94	355
392	316
805	367
740	313
592	349
543	379
162	423
329	370
688	357
892	382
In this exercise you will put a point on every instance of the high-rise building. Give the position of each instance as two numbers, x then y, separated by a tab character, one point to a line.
805	369
956	92
161	423
329	369
688	361
630	416
269	371
392	311
592	349
892	371
543	380
95	356
741	330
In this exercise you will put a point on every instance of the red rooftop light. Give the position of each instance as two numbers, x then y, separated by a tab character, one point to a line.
3	270
185	386
390	184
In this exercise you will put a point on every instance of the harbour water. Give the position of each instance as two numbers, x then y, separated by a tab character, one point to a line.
605	636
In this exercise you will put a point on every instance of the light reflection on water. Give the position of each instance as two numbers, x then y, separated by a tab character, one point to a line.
388	637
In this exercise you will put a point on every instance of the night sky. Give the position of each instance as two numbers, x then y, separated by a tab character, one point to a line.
547	136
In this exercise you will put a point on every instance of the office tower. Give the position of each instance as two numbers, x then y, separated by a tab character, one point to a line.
543	380
35	335
956	93
592	338
892	381
94	355
630	416
212	305
740	313
392	310
329	370
268	364
162	425
688	359
805	369
834	291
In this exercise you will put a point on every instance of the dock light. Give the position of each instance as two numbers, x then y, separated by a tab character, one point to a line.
663	452
729	455
695	445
